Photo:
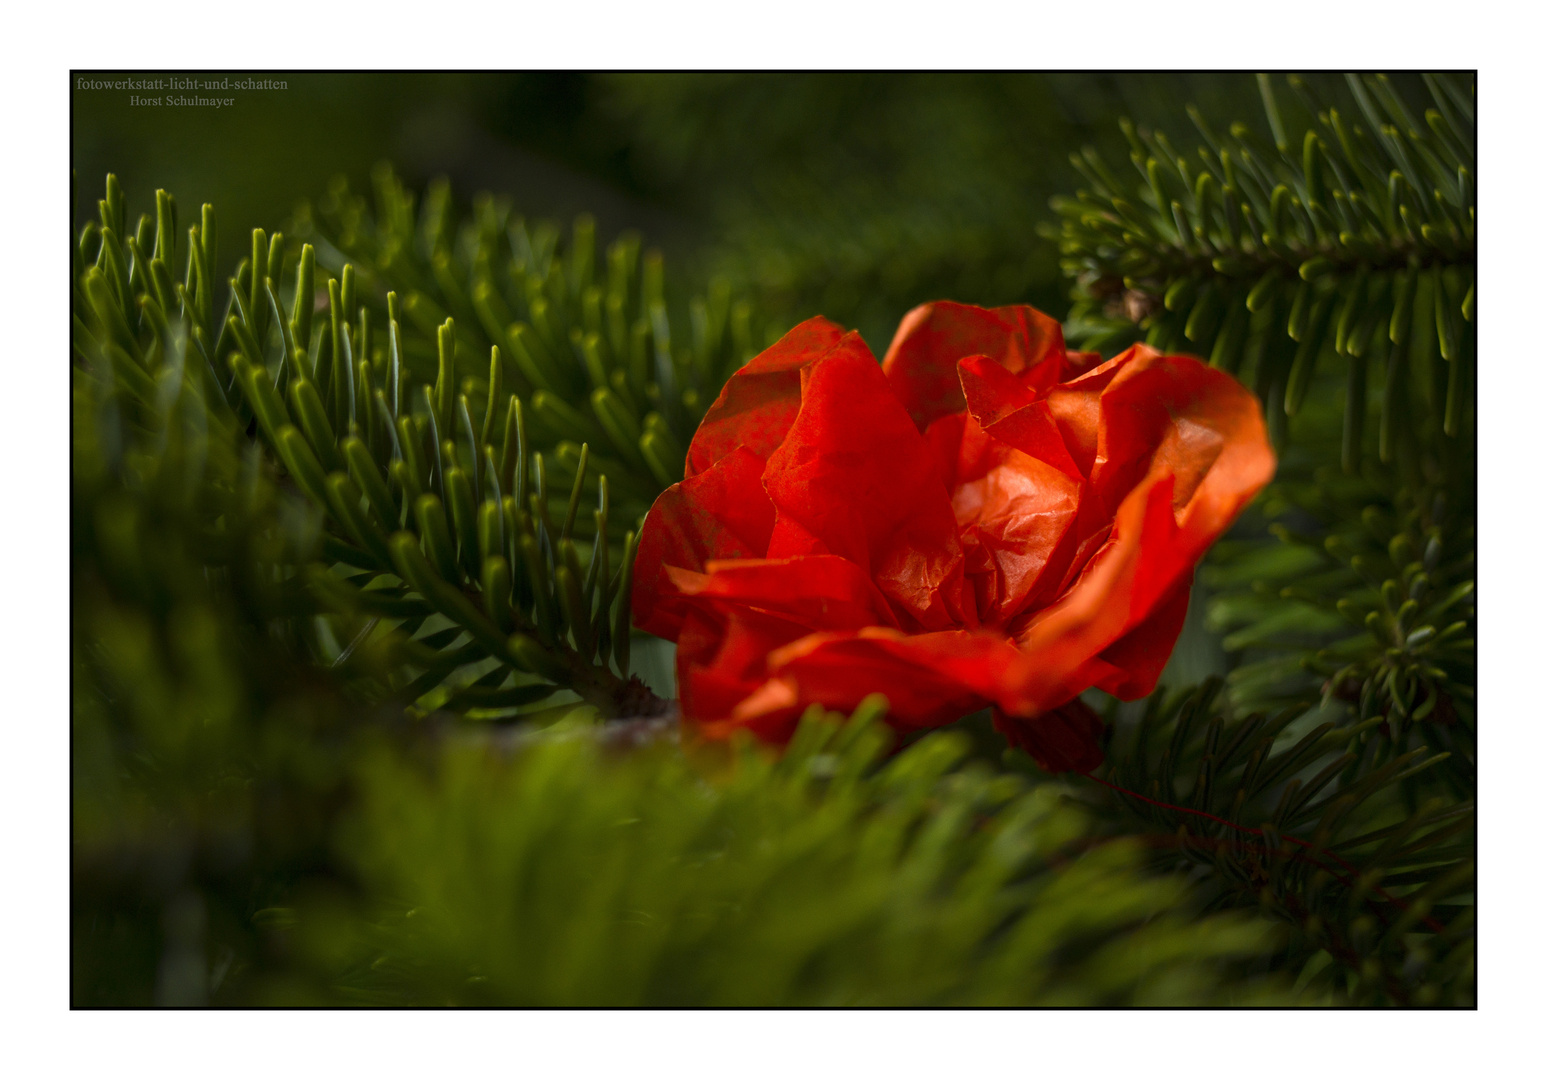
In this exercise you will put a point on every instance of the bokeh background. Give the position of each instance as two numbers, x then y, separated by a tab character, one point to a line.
855	196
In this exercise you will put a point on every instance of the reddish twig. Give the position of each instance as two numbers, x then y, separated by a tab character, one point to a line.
1429	921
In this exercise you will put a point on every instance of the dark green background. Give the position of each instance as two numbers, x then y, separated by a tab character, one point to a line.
855	196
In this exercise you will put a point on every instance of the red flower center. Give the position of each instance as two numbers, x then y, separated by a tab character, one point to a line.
985	518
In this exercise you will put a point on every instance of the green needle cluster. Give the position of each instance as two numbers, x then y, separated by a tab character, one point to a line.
590	340
1332	267
470	526
1351	244
1360	850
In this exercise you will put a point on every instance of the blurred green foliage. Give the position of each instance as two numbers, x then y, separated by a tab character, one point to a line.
207	745
853	195
831	876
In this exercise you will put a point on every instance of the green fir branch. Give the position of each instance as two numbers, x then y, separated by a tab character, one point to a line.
1352	248
1359	844
830	876
589	340
1373	609
439	502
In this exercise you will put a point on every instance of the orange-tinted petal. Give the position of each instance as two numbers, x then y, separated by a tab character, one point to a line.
1075	407
1139	656
1170	413
921	362
1209	439
1016	510
1209	459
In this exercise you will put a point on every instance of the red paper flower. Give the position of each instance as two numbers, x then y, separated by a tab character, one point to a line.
983	519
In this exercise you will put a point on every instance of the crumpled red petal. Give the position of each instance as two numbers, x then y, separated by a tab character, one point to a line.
1014	512
743	610
722	661
929	679
758	403
1138	657
991	392
921	362
855	474
1207	460
720	513
834	594
989	520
